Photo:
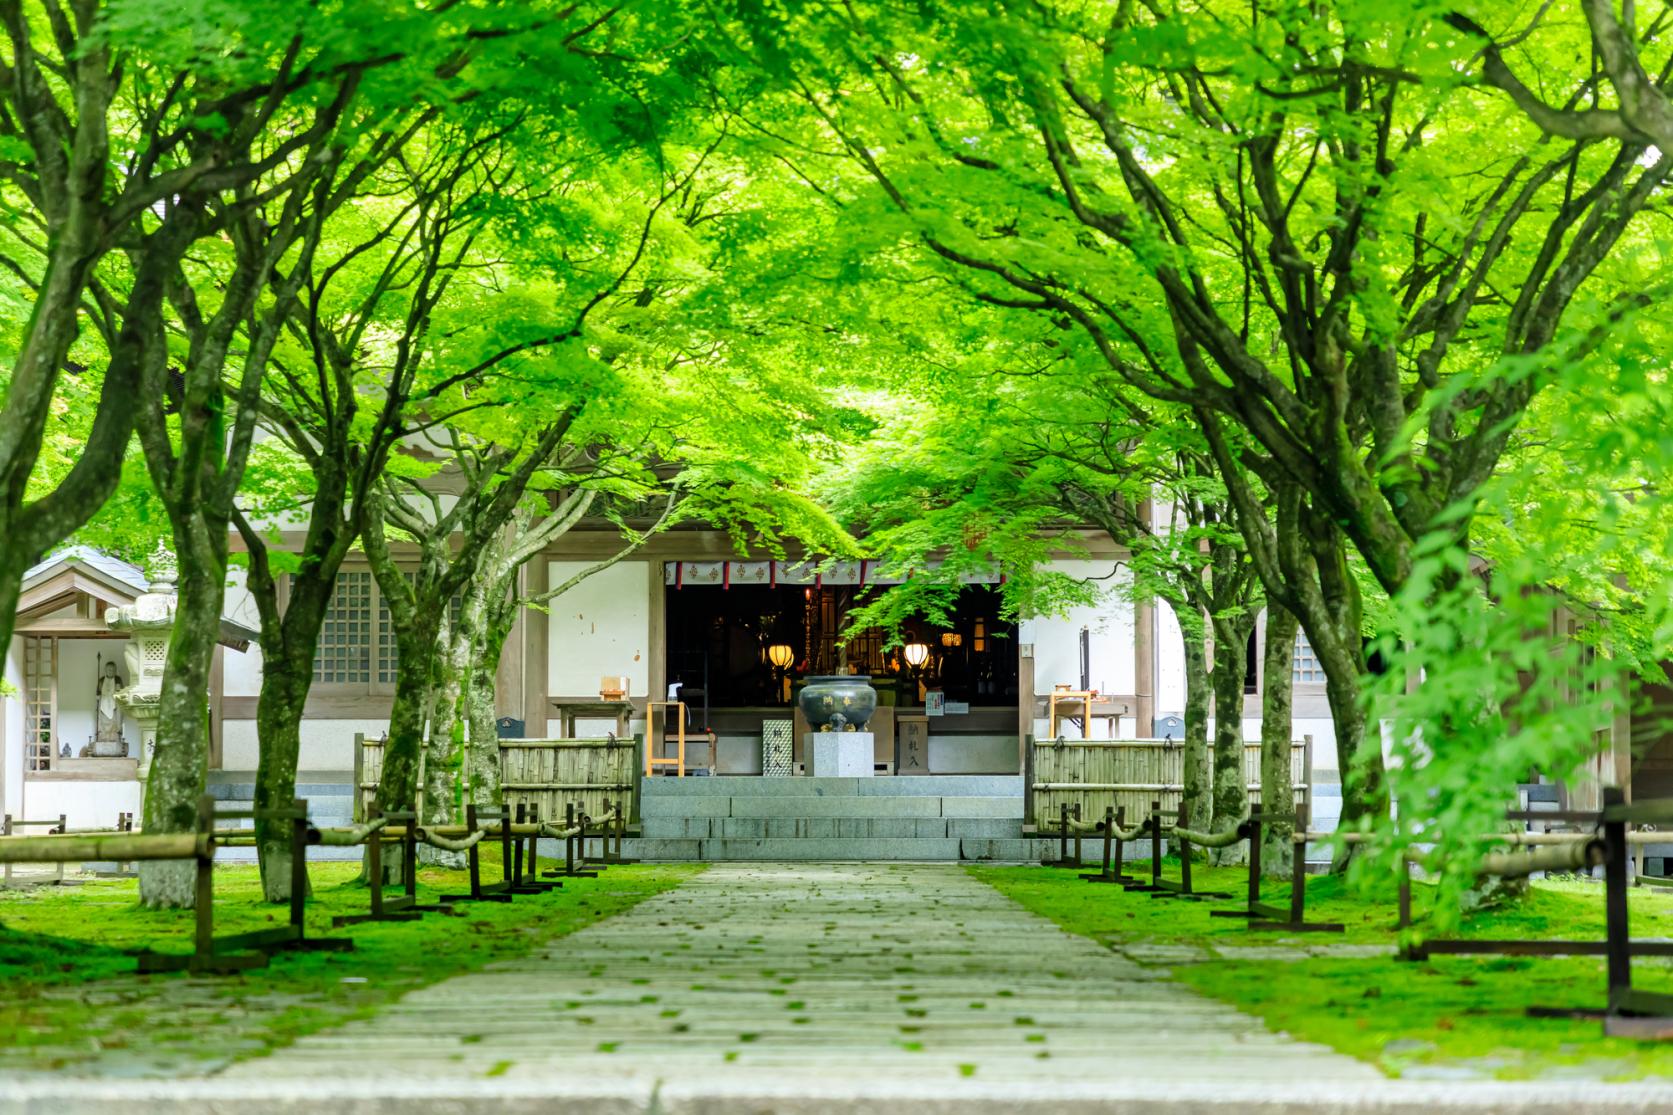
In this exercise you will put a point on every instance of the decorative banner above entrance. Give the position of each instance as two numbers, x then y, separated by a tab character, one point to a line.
725	574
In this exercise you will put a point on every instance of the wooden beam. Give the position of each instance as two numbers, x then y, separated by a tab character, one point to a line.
656	670
537	574
217	685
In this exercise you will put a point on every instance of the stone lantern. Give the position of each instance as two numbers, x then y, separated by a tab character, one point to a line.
149	620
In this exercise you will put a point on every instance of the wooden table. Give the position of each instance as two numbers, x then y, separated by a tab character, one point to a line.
570	710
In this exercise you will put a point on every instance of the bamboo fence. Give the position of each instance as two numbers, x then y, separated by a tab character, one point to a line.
1101	773
594	774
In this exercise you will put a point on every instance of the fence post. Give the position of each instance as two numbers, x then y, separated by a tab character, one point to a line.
409	857
1063	834
621	828
1109	835
374	861
1120	822
299	863
1298	874
475	859
1155	843
1183	822
534	841
569	838
515	876
1077	834
203	897
1618	940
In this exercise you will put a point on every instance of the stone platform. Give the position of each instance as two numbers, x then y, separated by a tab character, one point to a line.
936	818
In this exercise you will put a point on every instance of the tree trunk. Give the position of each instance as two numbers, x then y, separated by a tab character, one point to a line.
1339	645
1230	797
445	767
1277	728
1198	797
180	763
398	785
482	758
285	678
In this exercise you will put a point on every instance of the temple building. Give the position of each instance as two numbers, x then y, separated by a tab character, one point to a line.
730	637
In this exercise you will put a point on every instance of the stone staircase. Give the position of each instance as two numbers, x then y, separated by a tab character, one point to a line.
937	818
330	798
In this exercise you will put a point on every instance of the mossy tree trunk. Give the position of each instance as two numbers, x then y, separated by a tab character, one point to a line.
1302	559
1277	728
1231	799
196	438
180	761
1197	781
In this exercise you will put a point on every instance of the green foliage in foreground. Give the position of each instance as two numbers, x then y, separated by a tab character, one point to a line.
1447	1014
69	996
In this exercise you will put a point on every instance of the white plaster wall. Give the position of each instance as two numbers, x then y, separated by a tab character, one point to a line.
600	628
85	804
1170	663
327	745
11	731
1109	622
241	673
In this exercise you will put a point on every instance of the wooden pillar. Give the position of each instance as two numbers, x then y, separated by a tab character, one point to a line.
656	669
217	689
536	708
1025	703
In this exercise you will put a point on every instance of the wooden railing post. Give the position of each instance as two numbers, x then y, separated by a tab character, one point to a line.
1155	843
1182	823
299	864
1617	935
203	898
515	875
569	838
1120	822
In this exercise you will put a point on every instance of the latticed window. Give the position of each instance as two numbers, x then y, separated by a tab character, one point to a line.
40	701
344	655
389	654
357	641
1307	669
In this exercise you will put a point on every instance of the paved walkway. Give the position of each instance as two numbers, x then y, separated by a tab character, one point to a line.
822	972
815	988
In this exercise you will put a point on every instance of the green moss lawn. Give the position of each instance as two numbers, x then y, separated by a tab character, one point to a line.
1442	1016
70	999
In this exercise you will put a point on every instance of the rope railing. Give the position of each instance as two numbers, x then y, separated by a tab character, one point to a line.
447	844
1628	1012
517	830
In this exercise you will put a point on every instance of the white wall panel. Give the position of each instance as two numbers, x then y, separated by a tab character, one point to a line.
1109	624
600	628
327	745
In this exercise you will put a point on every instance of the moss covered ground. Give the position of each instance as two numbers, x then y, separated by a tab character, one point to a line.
70	998
1463	1016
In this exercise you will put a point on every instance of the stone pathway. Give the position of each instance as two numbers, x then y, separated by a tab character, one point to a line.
810	976
842	989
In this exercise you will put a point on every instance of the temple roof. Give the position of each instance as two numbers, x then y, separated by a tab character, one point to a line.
78	572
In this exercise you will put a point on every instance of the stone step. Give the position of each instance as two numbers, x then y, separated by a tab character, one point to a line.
829	827
776	850
808	805
924	785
